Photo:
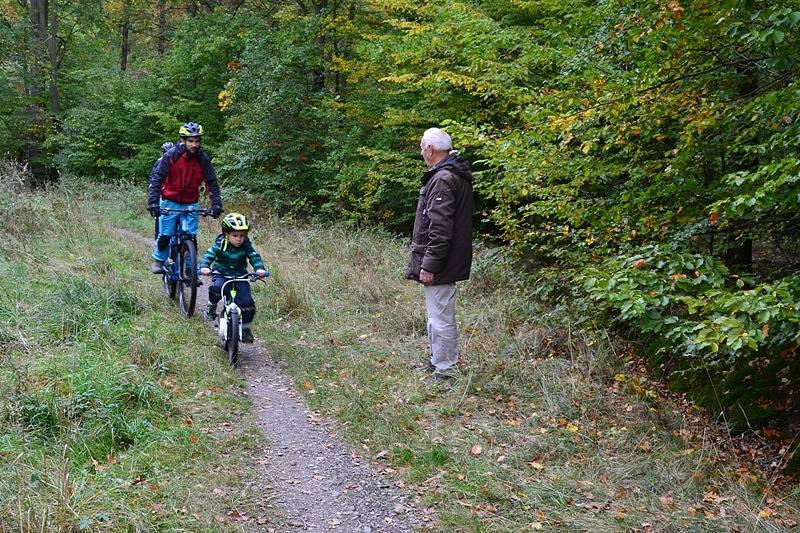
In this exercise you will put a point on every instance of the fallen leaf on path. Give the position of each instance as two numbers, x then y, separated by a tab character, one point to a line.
476	450
667	502
538	462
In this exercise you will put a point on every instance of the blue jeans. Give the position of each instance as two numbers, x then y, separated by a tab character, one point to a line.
244	298
169	225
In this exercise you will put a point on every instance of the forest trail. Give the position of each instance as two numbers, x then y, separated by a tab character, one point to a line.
309	478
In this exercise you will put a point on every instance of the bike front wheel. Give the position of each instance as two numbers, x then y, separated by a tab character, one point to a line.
232	342
187	284
170	285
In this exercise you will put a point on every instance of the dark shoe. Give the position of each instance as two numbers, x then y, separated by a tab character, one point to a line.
441	376
247	335
210	313
157	267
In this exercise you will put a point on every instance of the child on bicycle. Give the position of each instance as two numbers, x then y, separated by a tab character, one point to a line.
229	255
175	182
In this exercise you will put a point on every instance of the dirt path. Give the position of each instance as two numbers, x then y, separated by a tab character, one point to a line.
317	482
313	480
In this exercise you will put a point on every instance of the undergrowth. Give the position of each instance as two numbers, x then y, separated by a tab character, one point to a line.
109	413
549	425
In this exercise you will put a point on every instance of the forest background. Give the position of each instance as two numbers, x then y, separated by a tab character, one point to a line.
639	157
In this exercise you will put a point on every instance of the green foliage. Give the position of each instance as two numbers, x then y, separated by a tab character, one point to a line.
273	109
117	123
599	131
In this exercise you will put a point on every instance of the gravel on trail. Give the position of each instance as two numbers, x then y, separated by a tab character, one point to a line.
317	482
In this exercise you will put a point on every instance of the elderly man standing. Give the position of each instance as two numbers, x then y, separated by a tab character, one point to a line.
441	245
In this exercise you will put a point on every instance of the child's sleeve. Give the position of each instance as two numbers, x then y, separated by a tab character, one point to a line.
254	258
210	256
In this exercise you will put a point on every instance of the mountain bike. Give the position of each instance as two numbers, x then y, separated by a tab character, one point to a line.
179	274
229	319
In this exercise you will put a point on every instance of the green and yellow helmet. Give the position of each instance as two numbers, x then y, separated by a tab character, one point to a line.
191	129
234	222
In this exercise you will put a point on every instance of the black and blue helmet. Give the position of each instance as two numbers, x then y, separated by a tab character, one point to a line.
191	129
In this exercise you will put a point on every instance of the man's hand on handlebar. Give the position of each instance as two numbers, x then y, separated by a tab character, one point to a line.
261	273
205	271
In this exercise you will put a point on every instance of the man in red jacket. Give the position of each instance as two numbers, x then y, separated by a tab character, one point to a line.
175	184
441	244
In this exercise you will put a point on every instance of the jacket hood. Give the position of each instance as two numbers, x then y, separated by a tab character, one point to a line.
455	164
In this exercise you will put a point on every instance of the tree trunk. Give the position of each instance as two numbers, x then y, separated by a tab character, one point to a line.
162	27
31	153
739	256
52	53
38	18
126	47
318	75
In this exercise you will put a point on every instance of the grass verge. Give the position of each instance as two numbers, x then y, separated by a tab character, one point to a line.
111	416
114	418
548	427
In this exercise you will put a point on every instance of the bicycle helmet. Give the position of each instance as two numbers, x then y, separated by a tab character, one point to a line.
191	129
166	146
234	222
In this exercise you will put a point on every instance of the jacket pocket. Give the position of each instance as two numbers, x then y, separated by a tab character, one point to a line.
415	263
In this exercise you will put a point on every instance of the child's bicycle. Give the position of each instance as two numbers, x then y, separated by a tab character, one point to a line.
229	320
180	269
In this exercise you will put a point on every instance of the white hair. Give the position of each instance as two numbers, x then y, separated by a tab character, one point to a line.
438	139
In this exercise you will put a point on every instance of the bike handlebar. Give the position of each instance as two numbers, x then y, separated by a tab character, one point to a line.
203	211
250	276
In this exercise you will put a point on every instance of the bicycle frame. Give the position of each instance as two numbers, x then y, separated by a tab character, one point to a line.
179	272
229	325
182	233
229	307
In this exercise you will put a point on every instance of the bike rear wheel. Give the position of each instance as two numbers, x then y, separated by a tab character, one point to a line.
187	285
232	342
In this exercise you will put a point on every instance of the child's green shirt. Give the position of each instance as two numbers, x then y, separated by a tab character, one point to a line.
230	260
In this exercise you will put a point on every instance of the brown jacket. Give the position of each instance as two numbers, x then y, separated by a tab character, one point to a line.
442	238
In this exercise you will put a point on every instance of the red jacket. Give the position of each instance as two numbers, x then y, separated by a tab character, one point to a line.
177	176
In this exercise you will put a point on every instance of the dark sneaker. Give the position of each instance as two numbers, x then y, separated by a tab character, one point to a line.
157	267
210	313
247	335
440	376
